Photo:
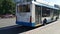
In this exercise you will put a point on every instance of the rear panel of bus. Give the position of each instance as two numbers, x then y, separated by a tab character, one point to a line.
24	15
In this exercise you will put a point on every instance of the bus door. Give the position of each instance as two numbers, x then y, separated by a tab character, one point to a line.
38	14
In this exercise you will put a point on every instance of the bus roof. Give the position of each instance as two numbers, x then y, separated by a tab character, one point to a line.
45	5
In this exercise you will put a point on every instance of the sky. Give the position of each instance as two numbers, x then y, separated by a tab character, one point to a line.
54	1
50	2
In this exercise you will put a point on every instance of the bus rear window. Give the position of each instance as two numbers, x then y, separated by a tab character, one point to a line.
24	8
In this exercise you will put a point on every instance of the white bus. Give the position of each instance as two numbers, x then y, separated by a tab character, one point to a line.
33	13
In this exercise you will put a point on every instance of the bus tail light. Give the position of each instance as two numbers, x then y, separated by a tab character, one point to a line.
30	19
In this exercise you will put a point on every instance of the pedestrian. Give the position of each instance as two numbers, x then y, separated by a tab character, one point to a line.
44	21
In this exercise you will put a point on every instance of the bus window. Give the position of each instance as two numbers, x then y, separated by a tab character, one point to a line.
34	0
24	8
55	12
25	0
45	12
28	0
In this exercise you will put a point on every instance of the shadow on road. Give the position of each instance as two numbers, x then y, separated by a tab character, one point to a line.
14	29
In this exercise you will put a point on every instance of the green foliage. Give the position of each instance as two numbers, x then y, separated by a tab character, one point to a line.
7	7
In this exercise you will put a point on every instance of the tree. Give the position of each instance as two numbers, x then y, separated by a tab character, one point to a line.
7	7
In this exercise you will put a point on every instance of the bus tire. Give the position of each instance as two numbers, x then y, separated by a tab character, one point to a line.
56	18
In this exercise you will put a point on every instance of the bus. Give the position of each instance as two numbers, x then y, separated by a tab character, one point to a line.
32	13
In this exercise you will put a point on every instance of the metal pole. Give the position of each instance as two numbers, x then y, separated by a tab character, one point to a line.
53	14
41	16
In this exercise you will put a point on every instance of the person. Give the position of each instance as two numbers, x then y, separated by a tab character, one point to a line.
44	21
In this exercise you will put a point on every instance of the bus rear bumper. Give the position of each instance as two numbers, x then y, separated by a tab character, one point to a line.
25	23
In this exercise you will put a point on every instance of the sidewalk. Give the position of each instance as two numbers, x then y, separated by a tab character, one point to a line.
7	22
53	28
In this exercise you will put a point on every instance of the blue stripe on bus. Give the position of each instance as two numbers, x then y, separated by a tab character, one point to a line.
25	23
